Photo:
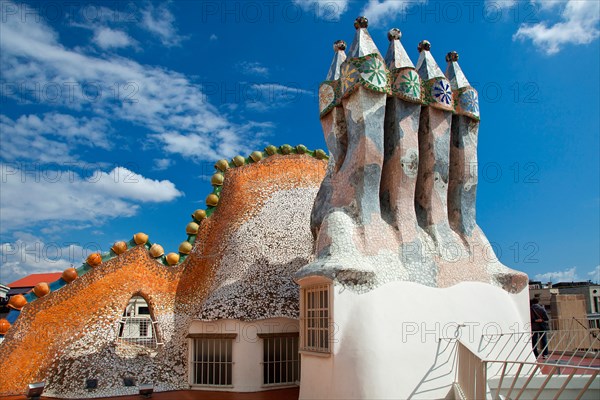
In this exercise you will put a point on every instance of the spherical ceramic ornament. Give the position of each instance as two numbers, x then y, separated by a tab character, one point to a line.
192	228
94	259
452	56
320	154
361	22
69	275
172	258
119	247
222	165
4	326
17	302
140	238
424	45
185	247
394	34
41	289
270	149
217	179
212	200
286	149
199	215
239	161
339	45
256	156
156	250
301	149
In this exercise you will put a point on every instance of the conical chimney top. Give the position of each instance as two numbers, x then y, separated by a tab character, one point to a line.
363	44
426	66
454	73
339	47
396	56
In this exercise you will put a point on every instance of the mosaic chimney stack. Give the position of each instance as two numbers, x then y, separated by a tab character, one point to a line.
398	186
334	129
398	202
462	187
401	162
364	88
352	114
434	149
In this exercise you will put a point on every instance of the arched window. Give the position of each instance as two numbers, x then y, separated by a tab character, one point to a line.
137	325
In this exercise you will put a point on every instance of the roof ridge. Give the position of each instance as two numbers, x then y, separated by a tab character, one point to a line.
156	251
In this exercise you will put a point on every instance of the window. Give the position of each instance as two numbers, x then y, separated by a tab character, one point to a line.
212	359
137	325
315	319
281	361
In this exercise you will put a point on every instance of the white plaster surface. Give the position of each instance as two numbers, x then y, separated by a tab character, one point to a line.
247	350
393	342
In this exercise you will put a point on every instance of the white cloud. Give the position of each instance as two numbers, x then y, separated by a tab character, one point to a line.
160	22
330	10
578	25
270	96
567	275
107	38
195	146
253	68
100	196
160	164
158	99
594	275
51	137
28	254
387	10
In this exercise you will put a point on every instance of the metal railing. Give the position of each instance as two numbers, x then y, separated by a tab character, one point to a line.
576	348
510	385
139	331
470	374
592	321
506	363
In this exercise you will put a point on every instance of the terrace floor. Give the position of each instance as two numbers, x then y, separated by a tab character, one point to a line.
281	394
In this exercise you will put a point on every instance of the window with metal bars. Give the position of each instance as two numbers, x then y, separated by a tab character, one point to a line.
316	318
212	361
137	327
281	361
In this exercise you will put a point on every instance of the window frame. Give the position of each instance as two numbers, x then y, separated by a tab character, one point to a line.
296	361
305	347
192	337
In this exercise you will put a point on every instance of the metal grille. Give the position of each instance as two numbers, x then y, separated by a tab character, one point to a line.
137	325
138	330
281	361
212	363
316	319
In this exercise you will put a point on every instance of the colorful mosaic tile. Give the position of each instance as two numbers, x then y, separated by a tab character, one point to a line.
467	103
407	84
368	71
329	96
437	93
349	78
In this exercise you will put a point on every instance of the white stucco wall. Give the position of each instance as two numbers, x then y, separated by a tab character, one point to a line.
247	350
388	343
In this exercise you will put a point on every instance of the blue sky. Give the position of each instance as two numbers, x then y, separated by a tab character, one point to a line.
113	114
